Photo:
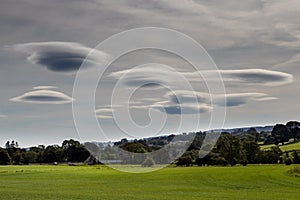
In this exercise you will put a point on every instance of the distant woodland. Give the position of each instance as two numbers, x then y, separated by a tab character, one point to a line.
241	146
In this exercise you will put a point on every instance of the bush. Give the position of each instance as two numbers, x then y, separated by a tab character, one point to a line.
202	161
296	157
185	161
244	162
218	161
288	161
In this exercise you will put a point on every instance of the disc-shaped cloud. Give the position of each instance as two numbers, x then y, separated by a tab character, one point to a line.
185	109
257	77
153	75
43	97
104	113
147	76
61	56
44	87
183	102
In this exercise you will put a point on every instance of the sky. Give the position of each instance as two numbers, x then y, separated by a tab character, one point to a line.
255	45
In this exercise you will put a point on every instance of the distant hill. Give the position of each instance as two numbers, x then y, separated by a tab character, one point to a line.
258	129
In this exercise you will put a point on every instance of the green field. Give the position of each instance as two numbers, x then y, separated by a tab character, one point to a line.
286	147
100	182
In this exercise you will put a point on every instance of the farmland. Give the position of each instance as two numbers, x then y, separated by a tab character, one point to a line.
286	147
100	182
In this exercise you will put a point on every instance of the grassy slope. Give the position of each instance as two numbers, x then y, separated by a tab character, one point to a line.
286	147
98	182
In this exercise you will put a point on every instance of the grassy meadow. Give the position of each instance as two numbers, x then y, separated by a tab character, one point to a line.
286	147
100	182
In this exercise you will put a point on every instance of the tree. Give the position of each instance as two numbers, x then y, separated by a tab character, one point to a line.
135	147
294	128
18	158
252	150
4	157
53	153
74	151
30	157
272	156
212	159
230	147
296	157
7	145
203	161
281	134
185	160
39	150
253	133
287	159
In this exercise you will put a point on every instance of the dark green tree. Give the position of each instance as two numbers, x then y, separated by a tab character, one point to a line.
74	151
251	150
294	128
253	133
53	153
273	156
18	158
30	157
296	157
230	147
4	157
185	160
281	134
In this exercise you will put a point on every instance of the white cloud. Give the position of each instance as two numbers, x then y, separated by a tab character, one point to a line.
190	102
256	77
154	75
44	87
104	113
232	100
239	99
43	96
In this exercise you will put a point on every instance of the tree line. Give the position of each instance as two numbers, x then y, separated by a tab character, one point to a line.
232	150
70	151
240	147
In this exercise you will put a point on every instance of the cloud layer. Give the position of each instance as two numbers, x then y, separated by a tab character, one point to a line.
61	56
187	102
104	113
154	75
201	102
257	77
43	96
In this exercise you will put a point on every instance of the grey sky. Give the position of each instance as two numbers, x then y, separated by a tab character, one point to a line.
254	43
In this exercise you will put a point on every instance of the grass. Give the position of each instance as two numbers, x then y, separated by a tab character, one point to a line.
100	182
286	147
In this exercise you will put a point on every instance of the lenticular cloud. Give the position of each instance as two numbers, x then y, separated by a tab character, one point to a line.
43	96
61	56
